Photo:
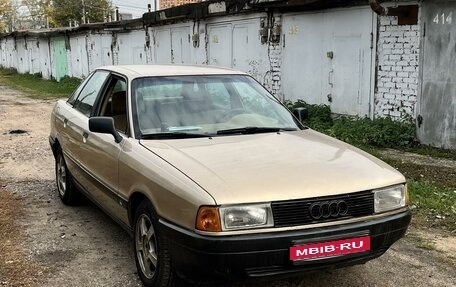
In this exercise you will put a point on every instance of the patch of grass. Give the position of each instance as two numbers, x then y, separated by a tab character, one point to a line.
36	87
431	151
432	191
432	205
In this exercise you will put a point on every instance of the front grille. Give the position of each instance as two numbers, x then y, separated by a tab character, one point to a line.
297	212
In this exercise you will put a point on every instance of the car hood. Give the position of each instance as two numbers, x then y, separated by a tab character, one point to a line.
274	166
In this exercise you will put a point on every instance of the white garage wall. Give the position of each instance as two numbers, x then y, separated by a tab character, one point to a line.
297	67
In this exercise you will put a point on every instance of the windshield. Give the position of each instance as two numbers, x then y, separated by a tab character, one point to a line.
206	105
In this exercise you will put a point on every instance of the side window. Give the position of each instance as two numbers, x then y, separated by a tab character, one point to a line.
89	93
75	94
115	103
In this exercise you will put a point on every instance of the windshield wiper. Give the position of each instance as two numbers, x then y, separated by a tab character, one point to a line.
174	135
253	130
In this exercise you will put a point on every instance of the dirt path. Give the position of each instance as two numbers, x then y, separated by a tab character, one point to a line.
44	243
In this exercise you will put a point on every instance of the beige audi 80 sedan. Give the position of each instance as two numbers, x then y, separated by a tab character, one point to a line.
217	180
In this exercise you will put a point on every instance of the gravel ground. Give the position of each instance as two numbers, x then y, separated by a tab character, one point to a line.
44	243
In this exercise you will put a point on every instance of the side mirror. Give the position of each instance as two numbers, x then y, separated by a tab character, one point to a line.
301	113
104	125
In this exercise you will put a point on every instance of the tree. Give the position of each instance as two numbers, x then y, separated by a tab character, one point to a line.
6	13
64	12
37	12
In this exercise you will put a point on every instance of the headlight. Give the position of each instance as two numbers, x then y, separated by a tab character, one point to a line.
390	198
246	216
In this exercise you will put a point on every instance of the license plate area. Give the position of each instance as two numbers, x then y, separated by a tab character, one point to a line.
326	249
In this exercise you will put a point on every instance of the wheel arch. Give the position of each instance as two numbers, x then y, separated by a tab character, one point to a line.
133	203
55	146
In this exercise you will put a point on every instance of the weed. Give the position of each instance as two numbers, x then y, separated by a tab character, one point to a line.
382	132
433	205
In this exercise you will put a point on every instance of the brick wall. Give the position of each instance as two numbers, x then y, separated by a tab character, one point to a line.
397	69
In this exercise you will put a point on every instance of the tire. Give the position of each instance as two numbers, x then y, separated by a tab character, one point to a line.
151	250
65	186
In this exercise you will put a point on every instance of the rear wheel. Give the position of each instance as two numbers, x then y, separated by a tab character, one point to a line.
151	250
65	187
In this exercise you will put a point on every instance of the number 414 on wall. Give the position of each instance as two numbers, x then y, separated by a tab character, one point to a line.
443	18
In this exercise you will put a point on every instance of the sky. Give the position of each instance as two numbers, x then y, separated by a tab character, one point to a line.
135	7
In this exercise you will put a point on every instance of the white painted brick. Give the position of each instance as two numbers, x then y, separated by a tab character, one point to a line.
388	46
390	85
385	21
394	57
394	21
389	96
409	92
409	69
397	34
392	74
410	80
402	85
397	77
403	75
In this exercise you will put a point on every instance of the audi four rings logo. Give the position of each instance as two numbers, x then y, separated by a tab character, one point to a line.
328	209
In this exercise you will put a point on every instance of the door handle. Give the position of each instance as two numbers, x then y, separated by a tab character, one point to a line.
65	122
85	135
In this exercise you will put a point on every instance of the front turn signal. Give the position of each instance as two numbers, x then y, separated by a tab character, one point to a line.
208	219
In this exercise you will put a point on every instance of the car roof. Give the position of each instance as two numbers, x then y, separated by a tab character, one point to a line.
137	71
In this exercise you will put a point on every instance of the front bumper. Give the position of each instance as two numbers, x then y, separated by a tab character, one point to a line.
209	258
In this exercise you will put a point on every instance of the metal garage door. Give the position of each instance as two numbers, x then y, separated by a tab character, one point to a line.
328	59
437	105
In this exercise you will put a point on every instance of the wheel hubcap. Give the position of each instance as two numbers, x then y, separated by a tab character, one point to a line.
146	246
61	176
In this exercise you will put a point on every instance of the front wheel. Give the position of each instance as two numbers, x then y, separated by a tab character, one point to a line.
65	187
151	250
